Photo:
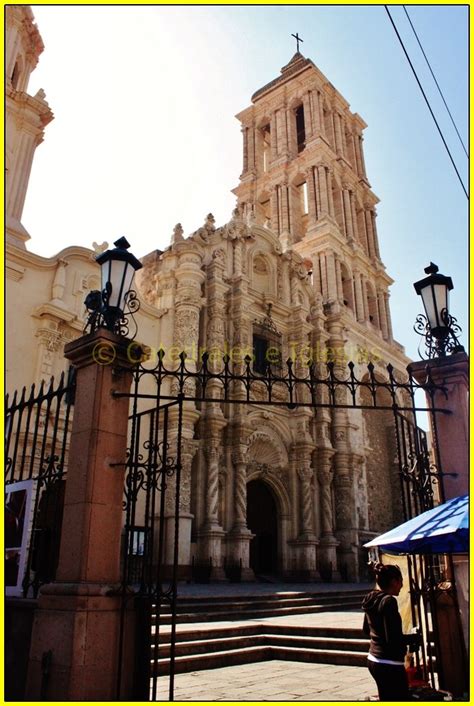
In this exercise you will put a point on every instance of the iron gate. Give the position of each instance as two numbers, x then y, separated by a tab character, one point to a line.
154	466
37	429
153	477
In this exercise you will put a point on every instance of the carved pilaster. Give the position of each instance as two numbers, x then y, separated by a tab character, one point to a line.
305	475
212	488
239	459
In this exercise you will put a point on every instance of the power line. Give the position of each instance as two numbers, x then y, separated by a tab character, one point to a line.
436	82
427	101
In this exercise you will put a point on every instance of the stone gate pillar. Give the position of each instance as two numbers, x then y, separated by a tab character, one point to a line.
452	429
77	624
452	432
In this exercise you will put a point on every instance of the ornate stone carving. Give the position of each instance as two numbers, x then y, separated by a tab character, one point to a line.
305	475
212	491
219	256
177	236
325	481
186	327
240	488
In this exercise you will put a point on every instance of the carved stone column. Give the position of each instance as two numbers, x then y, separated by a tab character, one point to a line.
338	133
346	529
324	277
359	297
215	329
245	167
239	538
273	136
274	208
382	313
331	275
212	487
306	543
283	132
305	475
355	229
370	233
358	162
188	303
340	293
374	230
240	490
210	536
291	128
312	203
284	216
316	115
308	125
388	315
329	181
323	190
328	543
361	155
347	212
251	148
188	449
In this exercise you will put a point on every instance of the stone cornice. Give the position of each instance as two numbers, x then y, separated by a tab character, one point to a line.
30	259
25	106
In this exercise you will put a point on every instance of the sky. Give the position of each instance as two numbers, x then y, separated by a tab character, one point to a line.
144	134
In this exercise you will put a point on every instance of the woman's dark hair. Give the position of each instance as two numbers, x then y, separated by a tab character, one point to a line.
385	573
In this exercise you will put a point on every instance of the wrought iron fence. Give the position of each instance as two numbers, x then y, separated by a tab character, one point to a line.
37	429
155	462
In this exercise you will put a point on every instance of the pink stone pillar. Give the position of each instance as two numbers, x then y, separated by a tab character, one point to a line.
452	431
452	373
78	616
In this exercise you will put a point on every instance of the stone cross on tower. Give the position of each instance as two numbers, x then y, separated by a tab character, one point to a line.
298	40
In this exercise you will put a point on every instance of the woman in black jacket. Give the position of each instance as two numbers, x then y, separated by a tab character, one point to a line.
388	644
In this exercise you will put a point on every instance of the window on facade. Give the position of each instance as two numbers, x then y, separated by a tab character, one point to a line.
347	288
300	131
266	350
260	346
16	74
373	309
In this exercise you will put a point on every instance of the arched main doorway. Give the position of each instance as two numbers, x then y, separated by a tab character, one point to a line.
262	522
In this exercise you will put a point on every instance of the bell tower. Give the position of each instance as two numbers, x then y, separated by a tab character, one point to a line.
304	178
26	116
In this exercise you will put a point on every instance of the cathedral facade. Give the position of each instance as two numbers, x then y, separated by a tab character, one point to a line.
295	274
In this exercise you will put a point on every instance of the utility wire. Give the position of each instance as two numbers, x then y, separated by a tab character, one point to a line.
427	101
436	82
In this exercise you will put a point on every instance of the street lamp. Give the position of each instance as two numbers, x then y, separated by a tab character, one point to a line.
438	327
111	307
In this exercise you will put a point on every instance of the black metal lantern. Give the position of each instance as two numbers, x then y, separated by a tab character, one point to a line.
438	327
112	307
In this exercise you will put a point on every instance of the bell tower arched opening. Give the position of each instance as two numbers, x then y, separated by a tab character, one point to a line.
300	129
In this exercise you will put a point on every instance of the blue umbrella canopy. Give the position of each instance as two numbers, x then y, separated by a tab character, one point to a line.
442	530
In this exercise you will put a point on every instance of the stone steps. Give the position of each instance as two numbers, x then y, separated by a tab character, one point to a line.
262	644
224	608
241	640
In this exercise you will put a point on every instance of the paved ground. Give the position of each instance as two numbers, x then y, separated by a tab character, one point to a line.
334	619
276	680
